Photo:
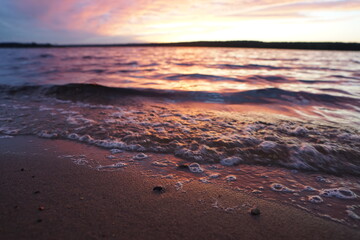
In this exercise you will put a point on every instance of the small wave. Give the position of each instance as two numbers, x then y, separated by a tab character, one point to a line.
278	59
344	77
150	65
97	71
317	82
92	57
127	71
95	92
185	64
199	76
247	66
272	95
196	135
335	90
68	58
46	55
321	69
269	78
133	63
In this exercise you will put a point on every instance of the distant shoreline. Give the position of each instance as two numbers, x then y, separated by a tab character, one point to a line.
339	46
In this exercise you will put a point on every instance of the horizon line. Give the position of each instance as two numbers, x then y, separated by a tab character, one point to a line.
197	41
355	46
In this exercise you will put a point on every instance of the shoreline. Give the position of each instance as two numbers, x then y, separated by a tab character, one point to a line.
47	197
321	46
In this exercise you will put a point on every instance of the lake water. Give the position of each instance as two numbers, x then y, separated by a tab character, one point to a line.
320	83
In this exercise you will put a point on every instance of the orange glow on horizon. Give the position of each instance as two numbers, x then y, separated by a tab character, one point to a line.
185	20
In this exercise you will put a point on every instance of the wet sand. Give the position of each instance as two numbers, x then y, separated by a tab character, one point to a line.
47	197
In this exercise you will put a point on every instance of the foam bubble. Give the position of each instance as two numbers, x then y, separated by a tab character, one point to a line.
45	134
140	156
349	137
195	168
86	138
342	193
78	119
115	165
115	150
230	178
351	211
204	180
71	120
178	186
134	147
9	131
159	164
309	189
73	136
79	160
315	199
267	146
117	114
6	136
230	161
252	128
109	144
214	175
322	179
299	131
278	187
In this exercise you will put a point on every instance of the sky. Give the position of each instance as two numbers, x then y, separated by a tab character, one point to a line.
135	21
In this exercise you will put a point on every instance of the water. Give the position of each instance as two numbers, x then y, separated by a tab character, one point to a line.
283	123
324	84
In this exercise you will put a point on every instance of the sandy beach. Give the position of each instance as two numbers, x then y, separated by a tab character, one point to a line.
47	197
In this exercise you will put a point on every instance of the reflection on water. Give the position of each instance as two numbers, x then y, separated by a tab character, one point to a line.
296	79
194	69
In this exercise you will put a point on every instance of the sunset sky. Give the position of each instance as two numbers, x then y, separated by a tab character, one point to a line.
124	21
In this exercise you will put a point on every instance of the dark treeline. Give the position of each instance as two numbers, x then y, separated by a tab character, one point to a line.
25	45
231	44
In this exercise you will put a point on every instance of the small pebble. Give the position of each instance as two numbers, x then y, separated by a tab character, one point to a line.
159	189
39	220
22	169
255	211
36	192
41	208
183	166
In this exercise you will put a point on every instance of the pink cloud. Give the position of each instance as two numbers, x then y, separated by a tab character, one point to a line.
151	17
